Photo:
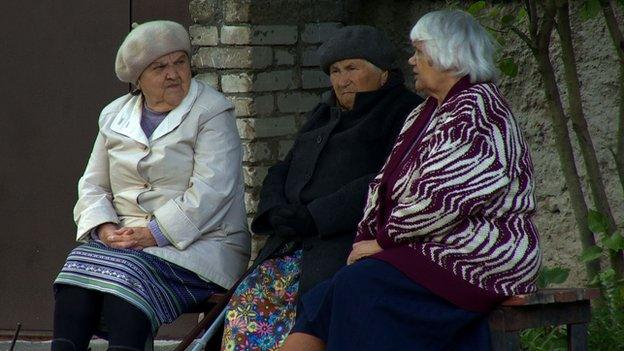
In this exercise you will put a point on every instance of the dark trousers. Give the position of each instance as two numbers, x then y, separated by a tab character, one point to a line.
372	306
78	313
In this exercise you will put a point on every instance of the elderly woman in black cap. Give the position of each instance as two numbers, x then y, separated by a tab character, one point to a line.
447	232
311	201
160	205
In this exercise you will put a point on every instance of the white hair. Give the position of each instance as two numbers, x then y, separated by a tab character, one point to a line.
456	42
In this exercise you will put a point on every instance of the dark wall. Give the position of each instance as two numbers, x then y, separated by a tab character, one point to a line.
57	74
57	65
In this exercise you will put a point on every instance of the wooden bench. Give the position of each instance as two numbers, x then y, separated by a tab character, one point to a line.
547	307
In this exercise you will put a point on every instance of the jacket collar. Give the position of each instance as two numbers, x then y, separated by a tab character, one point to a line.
128	120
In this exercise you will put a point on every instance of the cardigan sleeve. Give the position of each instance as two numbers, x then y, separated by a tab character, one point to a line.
463	168
367	227
213	185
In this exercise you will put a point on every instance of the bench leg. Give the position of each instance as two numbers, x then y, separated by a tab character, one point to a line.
505	341
577	337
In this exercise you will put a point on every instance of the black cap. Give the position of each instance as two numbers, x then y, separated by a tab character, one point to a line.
353	42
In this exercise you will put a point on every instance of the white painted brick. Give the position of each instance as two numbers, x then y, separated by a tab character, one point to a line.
315	33
274	35
284	57
296	101
233	57
257	151
236	83
209	78
260	105
237	11
203	10
252	128
243	106
314	78
251	203
235	35
254	175
204	35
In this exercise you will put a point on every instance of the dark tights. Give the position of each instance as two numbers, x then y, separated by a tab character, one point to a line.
78	312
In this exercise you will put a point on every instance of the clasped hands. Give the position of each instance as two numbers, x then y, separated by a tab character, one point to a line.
292	221
363	249
136	238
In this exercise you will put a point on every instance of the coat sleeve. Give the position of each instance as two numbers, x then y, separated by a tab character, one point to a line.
272	192
213	186
340	211
94	205
464	168
271	195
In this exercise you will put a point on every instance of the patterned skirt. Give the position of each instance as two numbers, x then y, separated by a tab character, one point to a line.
159	288
262	310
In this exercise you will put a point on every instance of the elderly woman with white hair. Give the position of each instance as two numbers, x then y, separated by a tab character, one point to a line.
447	232
160	205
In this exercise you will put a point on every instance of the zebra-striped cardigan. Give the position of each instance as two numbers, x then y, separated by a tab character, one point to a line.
459	211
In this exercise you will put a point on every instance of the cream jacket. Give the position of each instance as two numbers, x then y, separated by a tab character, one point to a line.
187	176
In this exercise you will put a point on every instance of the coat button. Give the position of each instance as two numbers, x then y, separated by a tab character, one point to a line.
319	139
145	147
146	185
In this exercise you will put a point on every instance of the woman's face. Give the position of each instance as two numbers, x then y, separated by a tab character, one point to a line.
166	81
426	76
353	76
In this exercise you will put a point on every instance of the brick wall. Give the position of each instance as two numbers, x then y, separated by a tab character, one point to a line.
261	55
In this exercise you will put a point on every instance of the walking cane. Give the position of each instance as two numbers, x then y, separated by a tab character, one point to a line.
217	313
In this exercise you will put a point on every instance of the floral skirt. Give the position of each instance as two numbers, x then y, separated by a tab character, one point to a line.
262	310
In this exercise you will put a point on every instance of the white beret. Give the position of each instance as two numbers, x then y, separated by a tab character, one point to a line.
147	42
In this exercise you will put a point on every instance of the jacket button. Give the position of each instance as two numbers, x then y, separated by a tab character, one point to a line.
145	147
146	185
319	139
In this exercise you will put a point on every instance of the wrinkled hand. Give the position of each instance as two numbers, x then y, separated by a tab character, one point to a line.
292	221
363	249
136	238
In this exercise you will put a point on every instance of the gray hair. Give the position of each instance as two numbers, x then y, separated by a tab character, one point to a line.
456	42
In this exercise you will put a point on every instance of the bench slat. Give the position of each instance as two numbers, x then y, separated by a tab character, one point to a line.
546	296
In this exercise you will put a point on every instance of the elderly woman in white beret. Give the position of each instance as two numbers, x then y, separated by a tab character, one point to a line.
160	205
447	232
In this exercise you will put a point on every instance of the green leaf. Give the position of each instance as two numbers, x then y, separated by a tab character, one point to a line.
522	14
589	9
595	281
615	242
597	222
508	67
475	8
507	20
556	275
591	254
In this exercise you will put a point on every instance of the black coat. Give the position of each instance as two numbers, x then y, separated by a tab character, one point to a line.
334	157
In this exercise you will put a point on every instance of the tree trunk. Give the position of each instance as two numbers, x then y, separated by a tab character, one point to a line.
579	125
541	40
618	43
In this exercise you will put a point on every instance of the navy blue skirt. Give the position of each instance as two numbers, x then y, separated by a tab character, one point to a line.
370	305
